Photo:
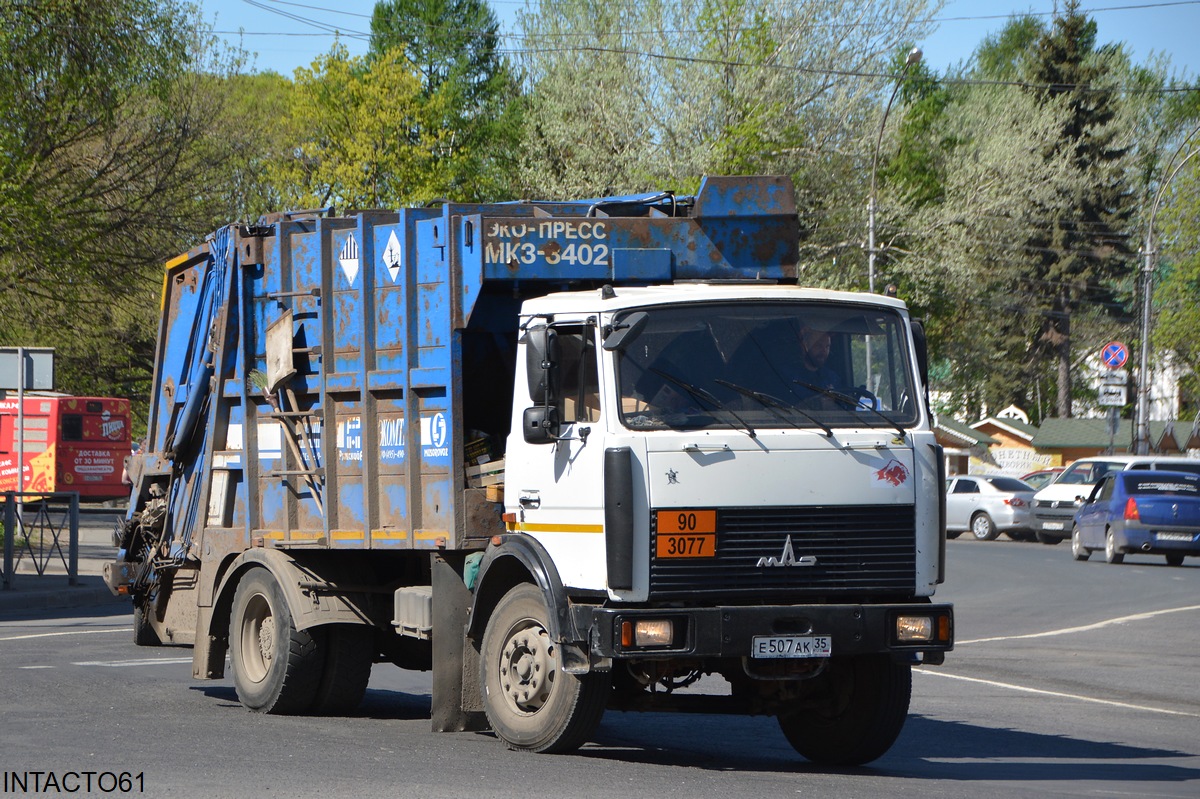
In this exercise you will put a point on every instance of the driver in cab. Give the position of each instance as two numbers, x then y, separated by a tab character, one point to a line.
812	373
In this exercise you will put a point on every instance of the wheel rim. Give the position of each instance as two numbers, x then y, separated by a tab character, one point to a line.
1076	544
527	667
1110	546
257	639
980	527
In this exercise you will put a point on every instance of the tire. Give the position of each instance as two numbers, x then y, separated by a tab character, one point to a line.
276	668
143	633
983	528
1111	553
1078	550
1174	559
1047	539
869	704
531	703
349	655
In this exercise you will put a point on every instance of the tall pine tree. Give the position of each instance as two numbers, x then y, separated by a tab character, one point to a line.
1079	247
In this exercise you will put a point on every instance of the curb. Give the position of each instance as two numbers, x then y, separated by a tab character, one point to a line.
31	593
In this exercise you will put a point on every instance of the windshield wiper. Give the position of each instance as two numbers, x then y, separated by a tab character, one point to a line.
701	395
853	403
775	406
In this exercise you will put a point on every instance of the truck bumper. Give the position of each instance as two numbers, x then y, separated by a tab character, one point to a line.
730	631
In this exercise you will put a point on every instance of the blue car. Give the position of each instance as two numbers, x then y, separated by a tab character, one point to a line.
1135	511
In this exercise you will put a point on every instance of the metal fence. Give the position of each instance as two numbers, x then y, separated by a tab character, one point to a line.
35	526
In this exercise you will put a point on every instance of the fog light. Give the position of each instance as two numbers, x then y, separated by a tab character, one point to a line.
654	632
914	628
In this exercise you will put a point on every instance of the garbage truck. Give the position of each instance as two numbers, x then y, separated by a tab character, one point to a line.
567	456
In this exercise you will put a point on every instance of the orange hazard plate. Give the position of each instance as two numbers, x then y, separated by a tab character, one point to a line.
687	534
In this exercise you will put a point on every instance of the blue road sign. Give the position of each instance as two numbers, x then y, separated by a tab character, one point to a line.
1114	354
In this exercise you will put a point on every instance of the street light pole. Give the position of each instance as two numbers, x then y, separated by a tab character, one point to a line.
1142	436
913	58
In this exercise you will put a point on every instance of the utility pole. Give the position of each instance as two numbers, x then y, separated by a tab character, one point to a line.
914	57
1141	443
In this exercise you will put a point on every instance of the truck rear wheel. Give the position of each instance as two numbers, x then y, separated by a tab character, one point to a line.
531	703
869	704
276	668
350	652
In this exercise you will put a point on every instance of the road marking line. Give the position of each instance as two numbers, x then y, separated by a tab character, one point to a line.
1087	627
72	632
1041	692
142	662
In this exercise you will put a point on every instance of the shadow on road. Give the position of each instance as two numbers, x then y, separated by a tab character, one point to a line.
378	705
927	749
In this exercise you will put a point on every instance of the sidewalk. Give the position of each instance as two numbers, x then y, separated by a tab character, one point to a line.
32	593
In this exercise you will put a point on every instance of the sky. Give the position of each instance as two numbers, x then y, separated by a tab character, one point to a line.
283	43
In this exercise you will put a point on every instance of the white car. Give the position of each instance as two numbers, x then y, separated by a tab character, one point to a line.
1054	506
988	505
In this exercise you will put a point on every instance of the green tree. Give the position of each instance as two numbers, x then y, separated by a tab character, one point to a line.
365	137
454	47
1177	245
635	95
1079	249
110	162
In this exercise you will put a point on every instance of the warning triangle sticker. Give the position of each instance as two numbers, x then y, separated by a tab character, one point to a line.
392	256
348	258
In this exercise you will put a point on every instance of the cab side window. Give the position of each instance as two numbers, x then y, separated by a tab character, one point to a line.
579	395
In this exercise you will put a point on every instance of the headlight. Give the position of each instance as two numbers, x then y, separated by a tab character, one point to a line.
914	629
647	632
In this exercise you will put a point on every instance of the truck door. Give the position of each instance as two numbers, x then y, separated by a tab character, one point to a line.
559	485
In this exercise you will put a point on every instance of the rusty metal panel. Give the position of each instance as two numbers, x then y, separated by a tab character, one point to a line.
356	438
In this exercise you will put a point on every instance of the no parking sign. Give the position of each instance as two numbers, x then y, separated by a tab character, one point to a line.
1114	354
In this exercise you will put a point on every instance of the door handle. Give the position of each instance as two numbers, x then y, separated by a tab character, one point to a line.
530	501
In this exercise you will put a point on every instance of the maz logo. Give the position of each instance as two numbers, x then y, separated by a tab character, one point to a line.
788	558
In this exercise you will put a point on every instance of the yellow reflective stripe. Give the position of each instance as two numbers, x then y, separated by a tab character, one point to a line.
347	535
432	535
558	528
389	535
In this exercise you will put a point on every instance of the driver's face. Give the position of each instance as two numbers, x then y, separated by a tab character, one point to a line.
817	347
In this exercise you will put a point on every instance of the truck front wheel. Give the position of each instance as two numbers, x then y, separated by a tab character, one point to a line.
276	668
531	703
868	706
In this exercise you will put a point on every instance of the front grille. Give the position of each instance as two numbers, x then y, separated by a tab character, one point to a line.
859	549
1054	509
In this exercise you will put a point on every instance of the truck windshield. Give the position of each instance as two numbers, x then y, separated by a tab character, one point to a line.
767	365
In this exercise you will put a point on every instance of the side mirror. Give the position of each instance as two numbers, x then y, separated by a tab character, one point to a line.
541	364
625	331
918	332
540	425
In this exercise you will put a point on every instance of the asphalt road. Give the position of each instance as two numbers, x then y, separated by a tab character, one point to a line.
1070	679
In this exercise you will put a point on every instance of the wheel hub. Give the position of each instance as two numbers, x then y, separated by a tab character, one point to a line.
266	639
527	669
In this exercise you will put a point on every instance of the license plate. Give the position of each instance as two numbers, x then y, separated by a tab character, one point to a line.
1174	536
1052	525
791	646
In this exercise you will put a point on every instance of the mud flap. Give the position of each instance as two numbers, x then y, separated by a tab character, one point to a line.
457	702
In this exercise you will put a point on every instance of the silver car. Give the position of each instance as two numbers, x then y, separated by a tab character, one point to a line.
988	505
